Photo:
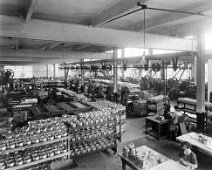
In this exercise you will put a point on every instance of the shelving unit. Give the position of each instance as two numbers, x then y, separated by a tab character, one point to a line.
188	106
38	162
119	111
33	145
105	130
112	135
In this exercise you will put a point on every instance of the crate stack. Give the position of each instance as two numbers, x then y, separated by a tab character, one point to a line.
140	107
155	105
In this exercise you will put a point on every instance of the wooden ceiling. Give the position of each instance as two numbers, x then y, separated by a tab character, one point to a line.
67	26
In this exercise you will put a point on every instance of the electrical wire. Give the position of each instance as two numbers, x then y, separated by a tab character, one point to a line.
124	15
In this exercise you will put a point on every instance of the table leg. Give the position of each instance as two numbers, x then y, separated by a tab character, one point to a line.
123	165
158	131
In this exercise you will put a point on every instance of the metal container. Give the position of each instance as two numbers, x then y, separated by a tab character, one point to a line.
3	146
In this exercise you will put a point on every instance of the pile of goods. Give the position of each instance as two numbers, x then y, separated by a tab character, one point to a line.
66	92
80	97
91	133
158	99
88	119
193	102
53	110
70	93
140	107
205	139
105	105
38	131
88	146
115	109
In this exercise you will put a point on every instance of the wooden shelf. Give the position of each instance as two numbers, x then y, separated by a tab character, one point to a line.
94	124
188	110
88	153
34	145
38	162
84	140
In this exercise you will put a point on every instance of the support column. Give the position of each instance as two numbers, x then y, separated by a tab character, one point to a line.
54	71
122	56
193	70
209	78
47	71
115	74
82	72
200	74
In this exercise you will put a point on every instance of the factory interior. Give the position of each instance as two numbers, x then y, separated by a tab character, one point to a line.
105	85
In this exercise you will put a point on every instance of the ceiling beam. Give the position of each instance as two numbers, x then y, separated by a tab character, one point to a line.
37	60
31	4
8	41
191	28
120	8
24	53
54	31
200	6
